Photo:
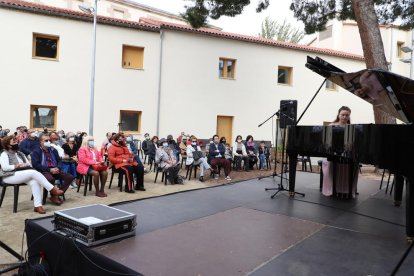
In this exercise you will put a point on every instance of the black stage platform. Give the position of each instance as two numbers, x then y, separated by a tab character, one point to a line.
237	230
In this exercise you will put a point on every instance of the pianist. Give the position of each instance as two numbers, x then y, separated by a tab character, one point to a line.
341	170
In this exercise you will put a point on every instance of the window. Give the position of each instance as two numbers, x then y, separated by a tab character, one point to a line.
327	33
227	68
130	121
329	85
45	46
132	57
43	116
284	75
118	14
400	52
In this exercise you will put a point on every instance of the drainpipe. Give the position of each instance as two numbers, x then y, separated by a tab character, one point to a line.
391	48
159	84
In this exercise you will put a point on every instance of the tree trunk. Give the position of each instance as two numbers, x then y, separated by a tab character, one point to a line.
372	46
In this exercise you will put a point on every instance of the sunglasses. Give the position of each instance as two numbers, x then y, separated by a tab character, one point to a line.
46	140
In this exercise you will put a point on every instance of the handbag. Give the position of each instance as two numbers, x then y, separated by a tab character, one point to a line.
197	155
99	167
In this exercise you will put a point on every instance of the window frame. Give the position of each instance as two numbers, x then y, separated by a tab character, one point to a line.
48	36
400	52
117	10
33	106
225	72
290	75
123	56
325	34
139	121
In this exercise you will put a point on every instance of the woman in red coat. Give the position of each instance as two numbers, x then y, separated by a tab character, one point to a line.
90	163
123	160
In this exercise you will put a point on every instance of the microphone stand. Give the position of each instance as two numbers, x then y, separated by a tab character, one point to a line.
277	113
280	187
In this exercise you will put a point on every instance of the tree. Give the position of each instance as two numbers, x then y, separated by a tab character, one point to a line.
272	29
315	14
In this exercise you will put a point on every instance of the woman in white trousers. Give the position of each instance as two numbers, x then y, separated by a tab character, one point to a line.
191	148
16	169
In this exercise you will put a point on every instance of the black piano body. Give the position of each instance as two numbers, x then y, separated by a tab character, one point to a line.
387	146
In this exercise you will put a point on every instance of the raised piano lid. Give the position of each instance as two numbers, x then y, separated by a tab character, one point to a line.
390	92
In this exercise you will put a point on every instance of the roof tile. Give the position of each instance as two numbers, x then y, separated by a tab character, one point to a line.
155	25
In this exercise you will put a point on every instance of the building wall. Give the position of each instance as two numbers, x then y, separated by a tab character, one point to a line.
192	94
345	37
66	83
190	73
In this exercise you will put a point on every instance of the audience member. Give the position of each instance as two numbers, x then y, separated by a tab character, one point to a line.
16	169
264	154
133	149
91	163
46	160
54	140
62	137
216	153
183	147
174	146
30	143
195	157
152	149
70	158
167	161
145	144
21	133
251	151
240	154
228	154
179	139
123	160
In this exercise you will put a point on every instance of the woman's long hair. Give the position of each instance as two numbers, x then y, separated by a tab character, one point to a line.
339	111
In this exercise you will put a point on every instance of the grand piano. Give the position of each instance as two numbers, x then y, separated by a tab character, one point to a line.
388	146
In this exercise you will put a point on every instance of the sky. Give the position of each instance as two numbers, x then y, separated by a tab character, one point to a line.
248	23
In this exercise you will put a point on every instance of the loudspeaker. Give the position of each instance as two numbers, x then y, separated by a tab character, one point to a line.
288	112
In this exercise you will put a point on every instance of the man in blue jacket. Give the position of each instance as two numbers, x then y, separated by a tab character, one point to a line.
46	160
30	143
216	155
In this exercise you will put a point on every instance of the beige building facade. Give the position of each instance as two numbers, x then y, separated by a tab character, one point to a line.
156	77
344	36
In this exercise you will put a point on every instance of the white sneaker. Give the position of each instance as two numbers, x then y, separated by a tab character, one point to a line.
227	178
73	185
216	176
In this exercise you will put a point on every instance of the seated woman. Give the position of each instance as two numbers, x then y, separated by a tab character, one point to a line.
133	149
152	149
201	161
228	154
70	158
216	153
183	147
16	169
240	154
167	161
123	160
251	151
90	162
342	171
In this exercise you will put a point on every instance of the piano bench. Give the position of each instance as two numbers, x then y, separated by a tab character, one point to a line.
320	175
